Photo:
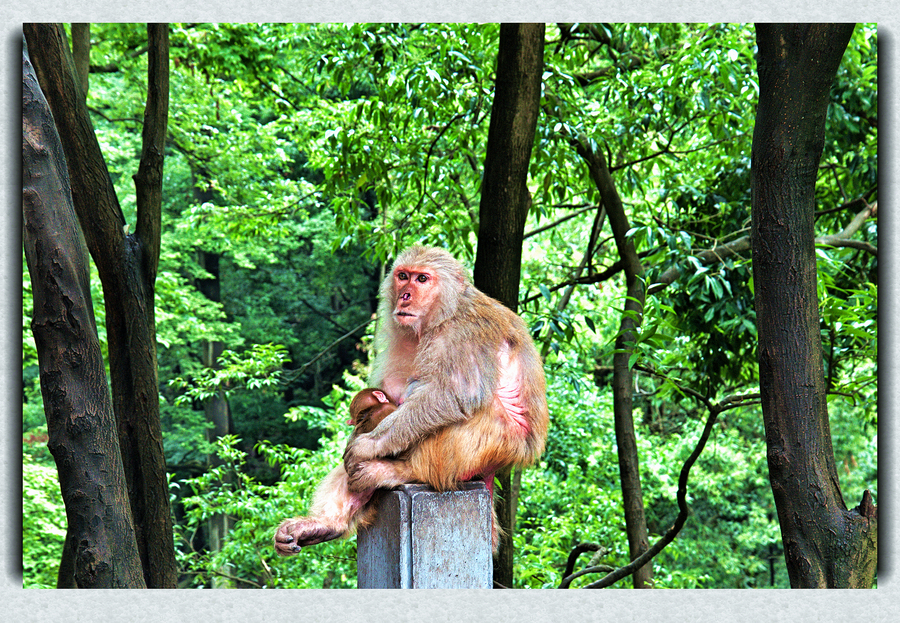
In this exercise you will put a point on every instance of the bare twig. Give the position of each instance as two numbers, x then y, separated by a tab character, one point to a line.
559	221
299	371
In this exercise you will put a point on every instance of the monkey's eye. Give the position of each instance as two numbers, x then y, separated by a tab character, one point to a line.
402	276
422	278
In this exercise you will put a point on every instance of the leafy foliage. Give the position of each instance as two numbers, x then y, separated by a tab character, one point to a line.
259	369
256	508
43	516
302	156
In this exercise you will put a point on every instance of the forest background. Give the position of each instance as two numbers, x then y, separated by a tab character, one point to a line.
299	158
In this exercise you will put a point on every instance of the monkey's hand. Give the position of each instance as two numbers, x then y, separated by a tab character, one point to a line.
361	449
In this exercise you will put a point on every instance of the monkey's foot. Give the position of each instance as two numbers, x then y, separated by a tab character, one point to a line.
295	533
375	474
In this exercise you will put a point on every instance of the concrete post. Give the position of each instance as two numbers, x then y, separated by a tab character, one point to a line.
426	539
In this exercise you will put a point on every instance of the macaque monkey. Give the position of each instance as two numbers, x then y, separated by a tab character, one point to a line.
471	393
368	407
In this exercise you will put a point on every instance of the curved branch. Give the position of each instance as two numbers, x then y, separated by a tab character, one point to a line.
862	245
742	244
842	239
577	551
622	572
730	402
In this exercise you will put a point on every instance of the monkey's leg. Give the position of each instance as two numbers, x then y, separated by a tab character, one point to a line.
380	474
335	513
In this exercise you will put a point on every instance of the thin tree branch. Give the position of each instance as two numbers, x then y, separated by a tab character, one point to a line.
431	147
742	244
559	221
717	254
299	371
842	239
113	67
622	572
327	316
608	273
667	151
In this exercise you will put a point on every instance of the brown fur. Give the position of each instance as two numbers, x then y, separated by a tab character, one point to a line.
470	388
368	408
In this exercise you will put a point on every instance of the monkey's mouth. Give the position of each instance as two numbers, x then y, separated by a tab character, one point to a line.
403	313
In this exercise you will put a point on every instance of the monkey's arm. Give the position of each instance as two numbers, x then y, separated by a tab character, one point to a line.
455	383
426	411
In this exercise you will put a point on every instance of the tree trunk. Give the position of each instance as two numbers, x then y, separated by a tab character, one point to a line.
127	264
825	545
101	550
81	54
217	413
623	384
505	202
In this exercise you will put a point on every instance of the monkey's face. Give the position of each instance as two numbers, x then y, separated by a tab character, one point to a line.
416	291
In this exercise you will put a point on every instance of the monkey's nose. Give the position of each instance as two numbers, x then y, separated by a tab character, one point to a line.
404	296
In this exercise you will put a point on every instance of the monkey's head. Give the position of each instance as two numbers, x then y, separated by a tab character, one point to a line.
368	408
424	287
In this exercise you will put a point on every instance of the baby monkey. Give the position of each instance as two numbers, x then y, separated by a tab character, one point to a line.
368	408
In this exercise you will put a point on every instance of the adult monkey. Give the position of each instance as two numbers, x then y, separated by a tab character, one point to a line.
470	388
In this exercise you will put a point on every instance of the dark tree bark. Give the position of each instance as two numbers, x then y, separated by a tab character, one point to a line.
127	264
825	544
81	54
101	550
505	201
626	439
